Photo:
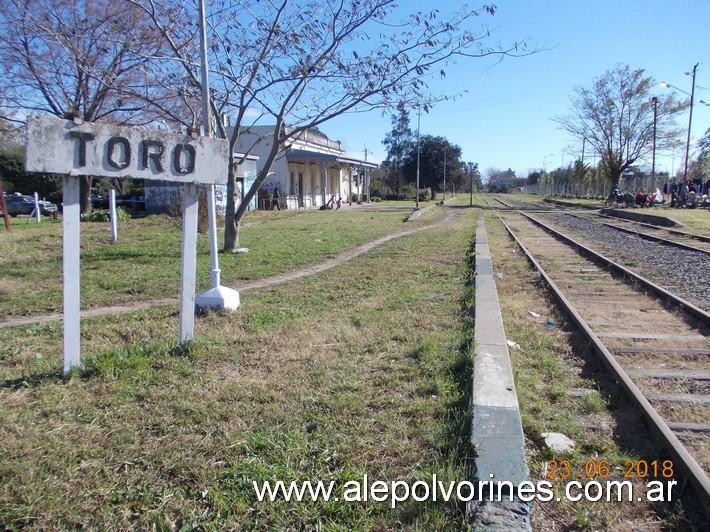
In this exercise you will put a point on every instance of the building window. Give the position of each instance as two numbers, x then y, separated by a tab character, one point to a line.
292	184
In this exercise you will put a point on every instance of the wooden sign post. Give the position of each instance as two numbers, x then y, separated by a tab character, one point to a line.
79	149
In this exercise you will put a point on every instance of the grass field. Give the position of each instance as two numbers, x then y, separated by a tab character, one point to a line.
362	369
145	263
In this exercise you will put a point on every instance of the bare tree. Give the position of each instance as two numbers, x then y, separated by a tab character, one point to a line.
74	60
615	116
296	65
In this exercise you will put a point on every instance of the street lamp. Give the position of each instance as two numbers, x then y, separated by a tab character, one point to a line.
690	118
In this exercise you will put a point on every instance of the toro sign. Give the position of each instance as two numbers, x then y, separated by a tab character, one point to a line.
64	147
80	149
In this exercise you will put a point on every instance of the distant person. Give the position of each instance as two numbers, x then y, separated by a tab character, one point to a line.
682	195
658	197
275	203
339	203
640	198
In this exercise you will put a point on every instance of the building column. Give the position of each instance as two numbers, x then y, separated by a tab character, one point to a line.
323	181
360	184
350	184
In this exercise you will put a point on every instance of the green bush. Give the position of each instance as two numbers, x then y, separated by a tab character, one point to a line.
375	199
102	215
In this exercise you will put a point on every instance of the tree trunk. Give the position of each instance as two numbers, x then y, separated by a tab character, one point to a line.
231	224
85	193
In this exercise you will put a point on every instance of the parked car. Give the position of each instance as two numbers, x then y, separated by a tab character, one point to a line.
21	204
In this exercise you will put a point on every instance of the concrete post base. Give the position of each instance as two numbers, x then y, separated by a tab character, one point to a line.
219	298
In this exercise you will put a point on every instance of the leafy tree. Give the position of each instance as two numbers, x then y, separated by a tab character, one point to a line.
297	65
615	116
701	166
74	60
472	177
15	179
434	152
534	177
398	143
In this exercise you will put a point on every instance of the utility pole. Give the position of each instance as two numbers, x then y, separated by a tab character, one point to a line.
690	122
419	115
470	193
653	157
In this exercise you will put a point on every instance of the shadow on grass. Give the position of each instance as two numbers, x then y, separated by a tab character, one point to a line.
135	360
33	380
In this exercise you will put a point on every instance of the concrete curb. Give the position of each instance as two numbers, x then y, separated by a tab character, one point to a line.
642	217
496	429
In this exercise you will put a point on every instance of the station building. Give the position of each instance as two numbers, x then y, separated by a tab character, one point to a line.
309	170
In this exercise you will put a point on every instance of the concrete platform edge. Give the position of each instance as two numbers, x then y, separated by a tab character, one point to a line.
496	428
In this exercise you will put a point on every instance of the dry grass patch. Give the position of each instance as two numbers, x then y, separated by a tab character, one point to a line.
362	369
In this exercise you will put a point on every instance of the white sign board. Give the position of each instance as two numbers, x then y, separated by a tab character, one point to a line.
64	147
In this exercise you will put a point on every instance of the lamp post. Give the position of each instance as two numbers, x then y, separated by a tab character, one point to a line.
217	297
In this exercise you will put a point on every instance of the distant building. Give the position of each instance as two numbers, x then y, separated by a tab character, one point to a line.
164	196
309	170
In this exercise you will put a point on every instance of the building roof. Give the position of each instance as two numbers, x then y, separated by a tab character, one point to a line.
308	155
358	162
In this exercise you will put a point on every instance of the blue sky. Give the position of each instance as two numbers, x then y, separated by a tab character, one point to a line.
505	120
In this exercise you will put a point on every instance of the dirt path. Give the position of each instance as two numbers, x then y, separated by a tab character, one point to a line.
245	286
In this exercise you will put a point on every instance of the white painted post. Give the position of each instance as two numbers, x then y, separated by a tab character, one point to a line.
189	262
70	272
112	214
37	211
217	297
212	220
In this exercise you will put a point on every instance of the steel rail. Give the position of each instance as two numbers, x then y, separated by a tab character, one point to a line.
695	474
662	292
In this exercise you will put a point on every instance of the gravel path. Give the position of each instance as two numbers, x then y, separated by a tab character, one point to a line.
685	273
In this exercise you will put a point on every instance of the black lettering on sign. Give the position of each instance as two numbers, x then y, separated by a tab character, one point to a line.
83	138
190	156
155	154
110	151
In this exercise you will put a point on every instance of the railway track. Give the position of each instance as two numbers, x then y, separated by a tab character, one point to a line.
656	350
668	230
672	237
532	206
681	268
